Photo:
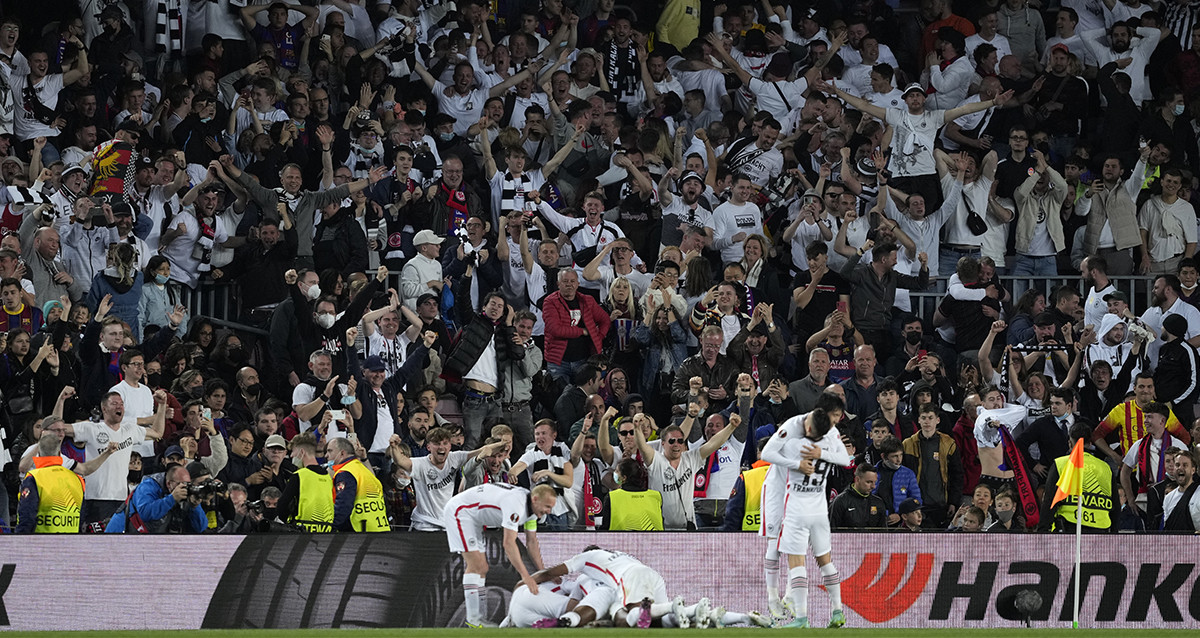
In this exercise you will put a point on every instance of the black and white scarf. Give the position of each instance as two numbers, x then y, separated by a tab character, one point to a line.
514	191
204	243
1040	347
362	160
622	69
168	28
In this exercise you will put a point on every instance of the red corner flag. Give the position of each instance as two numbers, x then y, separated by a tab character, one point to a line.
1071	481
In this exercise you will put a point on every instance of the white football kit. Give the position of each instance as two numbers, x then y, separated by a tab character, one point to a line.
491	505
805	510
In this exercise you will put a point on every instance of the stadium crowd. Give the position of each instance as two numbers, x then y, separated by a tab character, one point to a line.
604	248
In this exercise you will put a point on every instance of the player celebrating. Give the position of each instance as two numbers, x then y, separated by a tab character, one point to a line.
494	505
807	445
575	603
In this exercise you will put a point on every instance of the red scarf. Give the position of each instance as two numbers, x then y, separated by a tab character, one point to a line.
456	200
1145	480
1015	461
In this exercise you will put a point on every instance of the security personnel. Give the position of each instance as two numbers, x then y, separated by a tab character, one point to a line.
357	495
51	495
743	510
307	500
1101	506
633	507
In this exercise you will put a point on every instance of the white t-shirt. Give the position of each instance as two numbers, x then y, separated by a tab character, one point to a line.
25	125
434	487
109	481
139	403
181	252
1131	460
730	219
677	485
729	467
558	458
912	143
464	108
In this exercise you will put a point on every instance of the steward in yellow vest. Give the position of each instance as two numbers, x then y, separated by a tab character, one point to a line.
743	511
1101	507
51	497
358	504
307	500
633	507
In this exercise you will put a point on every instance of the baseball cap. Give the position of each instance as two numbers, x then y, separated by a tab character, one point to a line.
1117	295
1060	47
913	87
13	158
121	208
441	119
812	192
909	506
761	329
129	125
144	161
1044	319
691	175
427	237
174	450
426	297
276	441
374	363
196	469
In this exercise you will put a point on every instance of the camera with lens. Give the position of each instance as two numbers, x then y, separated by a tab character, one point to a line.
204	489
258	507
777	192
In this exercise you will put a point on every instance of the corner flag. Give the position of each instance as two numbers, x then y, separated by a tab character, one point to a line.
1071	481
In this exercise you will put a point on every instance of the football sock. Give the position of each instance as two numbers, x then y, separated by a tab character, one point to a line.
798	590
771	571
833	584
472	586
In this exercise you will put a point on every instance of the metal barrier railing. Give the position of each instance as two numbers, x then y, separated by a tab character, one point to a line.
220	301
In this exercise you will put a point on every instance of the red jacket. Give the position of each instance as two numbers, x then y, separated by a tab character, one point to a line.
559	329
968	451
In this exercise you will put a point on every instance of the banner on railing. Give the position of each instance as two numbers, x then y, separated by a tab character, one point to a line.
411	580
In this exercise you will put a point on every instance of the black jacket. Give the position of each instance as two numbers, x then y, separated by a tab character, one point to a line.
97	376
1175	375
477	332
851	510
1052	442
366	425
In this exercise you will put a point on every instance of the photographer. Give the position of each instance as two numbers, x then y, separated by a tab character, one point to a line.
163	503
251	516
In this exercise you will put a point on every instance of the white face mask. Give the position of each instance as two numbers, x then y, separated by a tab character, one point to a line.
314	291
403	481
325	320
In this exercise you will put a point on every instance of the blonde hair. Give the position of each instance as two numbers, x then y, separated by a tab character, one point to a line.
630	304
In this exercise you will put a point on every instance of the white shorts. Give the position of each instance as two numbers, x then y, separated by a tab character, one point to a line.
771	510
642	582
525	608
463	534
798	532
601	599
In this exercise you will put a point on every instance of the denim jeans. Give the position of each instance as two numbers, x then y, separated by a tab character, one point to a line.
565	371
554	523
1025	265
948	259
477	414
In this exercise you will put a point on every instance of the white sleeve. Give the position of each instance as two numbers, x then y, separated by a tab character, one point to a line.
960	292
773	452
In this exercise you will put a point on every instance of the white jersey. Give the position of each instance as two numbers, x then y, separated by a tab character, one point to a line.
677	485
805	492
434	486
108	482
493	505
603	566
771	505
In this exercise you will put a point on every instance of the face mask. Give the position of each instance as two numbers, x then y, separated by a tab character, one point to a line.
297	462
446	137
161	279
348	400
206	120
403	481
913	338
890	465
154	379
135	476
253	389
1178	109
329	465
237	354
196	392
325	320
269	513
1005	515
314	291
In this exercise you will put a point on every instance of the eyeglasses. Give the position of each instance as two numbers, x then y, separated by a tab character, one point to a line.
246	441
675	441
625	432
136	364
1018	138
